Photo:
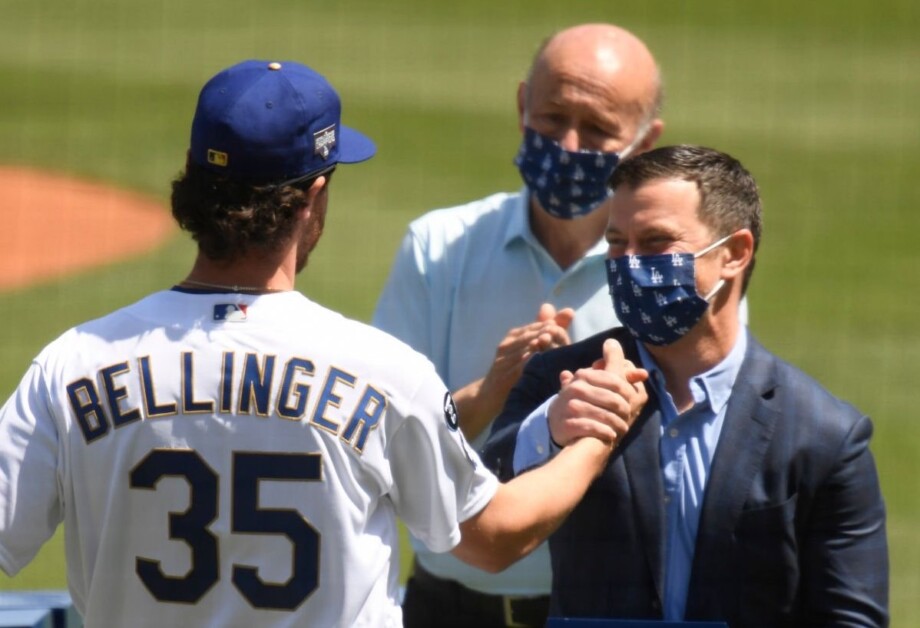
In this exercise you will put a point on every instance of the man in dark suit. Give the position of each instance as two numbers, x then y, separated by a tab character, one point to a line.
744	492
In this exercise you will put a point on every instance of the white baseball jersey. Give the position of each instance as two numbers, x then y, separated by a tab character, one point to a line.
232	460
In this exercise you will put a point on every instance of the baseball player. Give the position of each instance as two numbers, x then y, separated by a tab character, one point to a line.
227	452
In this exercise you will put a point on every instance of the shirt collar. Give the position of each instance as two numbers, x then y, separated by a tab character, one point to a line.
715	385
518	228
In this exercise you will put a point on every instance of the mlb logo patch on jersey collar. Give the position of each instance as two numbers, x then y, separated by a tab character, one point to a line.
231	312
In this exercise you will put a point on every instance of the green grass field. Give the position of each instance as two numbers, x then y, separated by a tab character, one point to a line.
818	99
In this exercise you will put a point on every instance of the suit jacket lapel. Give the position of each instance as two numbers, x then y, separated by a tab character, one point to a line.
641	459
746	434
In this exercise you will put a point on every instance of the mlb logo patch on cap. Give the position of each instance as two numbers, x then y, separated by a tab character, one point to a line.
217	158
230	312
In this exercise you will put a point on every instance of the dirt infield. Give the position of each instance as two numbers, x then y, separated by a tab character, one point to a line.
54	225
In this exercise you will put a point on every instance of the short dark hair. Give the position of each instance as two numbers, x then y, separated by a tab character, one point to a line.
729	198
229	217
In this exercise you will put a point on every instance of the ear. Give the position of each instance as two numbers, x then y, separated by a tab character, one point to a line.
655	129
317	188
739	249
521	104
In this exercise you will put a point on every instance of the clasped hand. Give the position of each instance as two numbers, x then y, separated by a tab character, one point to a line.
601	401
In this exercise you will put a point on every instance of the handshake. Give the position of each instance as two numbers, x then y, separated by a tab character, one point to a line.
601	401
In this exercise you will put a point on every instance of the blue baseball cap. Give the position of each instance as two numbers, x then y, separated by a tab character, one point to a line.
272	121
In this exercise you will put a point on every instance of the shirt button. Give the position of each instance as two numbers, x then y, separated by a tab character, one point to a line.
673	432
540	449
667	499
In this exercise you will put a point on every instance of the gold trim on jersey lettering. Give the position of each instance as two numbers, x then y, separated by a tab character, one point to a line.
267	360
295	507
84	384
190	504
378	411
296	389
191	406
114	395
149	395
226	384
327	397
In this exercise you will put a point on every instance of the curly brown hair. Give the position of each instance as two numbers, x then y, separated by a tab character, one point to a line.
228	217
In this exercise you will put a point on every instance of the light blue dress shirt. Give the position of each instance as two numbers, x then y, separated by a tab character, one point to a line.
461	279
687	445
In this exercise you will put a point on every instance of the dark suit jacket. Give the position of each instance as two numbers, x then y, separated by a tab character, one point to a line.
792	529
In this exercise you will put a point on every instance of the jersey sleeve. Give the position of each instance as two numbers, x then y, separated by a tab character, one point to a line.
30	497
438	479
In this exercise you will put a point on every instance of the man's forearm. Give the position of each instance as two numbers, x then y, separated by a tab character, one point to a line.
526	510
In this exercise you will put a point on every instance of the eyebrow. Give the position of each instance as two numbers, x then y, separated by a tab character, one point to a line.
651	231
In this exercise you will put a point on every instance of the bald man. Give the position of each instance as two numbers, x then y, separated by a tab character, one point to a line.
522	272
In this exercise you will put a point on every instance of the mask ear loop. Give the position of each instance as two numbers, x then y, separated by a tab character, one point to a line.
712	293
712	246
721	282
640	135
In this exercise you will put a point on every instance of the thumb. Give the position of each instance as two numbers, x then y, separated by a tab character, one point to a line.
547	313
565	377
635	374
564	317
613	356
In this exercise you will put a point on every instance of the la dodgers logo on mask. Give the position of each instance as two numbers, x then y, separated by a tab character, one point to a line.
655	296
567	184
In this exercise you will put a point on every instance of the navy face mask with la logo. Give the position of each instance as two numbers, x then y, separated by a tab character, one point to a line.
567	184
655	296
